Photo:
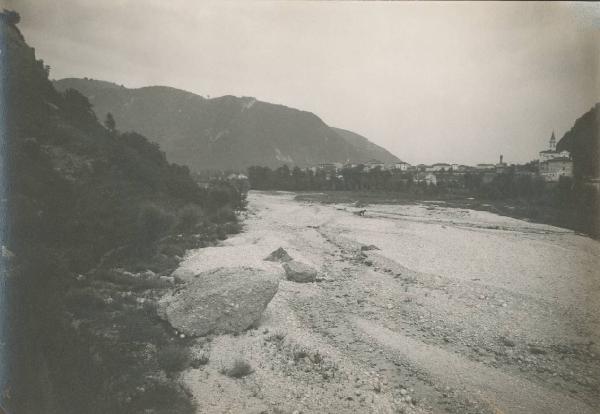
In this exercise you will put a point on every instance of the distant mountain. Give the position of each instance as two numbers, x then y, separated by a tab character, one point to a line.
226	132
366	147
583	142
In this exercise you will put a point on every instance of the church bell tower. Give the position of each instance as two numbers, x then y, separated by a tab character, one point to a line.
552	142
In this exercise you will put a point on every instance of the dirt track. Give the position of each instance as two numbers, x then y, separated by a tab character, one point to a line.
458	311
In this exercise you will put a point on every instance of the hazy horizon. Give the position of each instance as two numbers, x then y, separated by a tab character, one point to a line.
430	82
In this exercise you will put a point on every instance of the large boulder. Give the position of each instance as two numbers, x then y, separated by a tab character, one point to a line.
279	255
299	272
224	300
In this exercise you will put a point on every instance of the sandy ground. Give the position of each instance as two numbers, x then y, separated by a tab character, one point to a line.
458	311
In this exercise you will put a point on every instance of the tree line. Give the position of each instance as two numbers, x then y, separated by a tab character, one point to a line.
505	185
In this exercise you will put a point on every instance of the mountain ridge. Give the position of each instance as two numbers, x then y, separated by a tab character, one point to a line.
225	132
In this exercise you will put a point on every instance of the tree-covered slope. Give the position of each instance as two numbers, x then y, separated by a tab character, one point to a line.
75	337
220	133
583	142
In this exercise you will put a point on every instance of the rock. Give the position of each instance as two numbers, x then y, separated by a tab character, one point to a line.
299	272
536	350
369	247
225	300
507	341
368	262
149	274
279	255
168	279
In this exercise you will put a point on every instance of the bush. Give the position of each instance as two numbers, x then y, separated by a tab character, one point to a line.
84	301
162	398
189	217
174	358
152	223
233	228
199	361
224	214
239	369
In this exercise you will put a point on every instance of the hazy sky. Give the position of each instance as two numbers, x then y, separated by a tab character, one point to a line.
431	82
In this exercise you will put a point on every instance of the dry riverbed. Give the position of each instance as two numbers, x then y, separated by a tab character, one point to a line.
455	311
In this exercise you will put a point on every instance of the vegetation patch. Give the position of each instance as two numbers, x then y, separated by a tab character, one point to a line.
239	369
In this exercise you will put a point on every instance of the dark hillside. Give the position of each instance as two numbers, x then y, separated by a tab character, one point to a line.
583	142
83	202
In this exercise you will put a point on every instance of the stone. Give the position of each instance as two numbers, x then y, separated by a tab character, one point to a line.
536	350
368	247
299	272
279	255
167	279
507	341
224	300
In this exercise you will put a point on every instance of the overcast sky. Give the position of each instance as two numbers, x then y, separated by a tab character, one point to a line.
431	82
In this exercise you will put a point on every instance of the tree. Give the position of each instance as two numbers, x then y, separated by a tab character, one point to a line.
78	108
10	16
110	123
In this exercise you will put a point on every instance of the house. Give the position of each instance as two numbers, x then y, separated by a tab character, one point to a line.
426	177
554	168
402	166
235	176
372	164
459	168
485	166
328	167
501	166
438	167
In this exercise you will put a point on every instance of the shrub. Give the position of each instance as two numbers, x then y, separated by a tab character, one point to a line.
174	358
239	369
84	300
152	224
189	217
233	228
199	361
162	398
224	214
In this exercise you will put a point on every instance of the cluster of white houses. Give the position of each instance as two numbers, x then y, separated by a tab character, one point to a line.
552	165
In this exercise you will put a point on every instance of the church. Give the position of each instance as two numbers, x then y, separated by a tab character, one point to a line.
551	153
554	164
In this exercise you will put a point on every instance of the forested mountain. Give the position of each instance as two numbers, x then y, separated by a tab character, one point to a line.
74	190
226	132
583	142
